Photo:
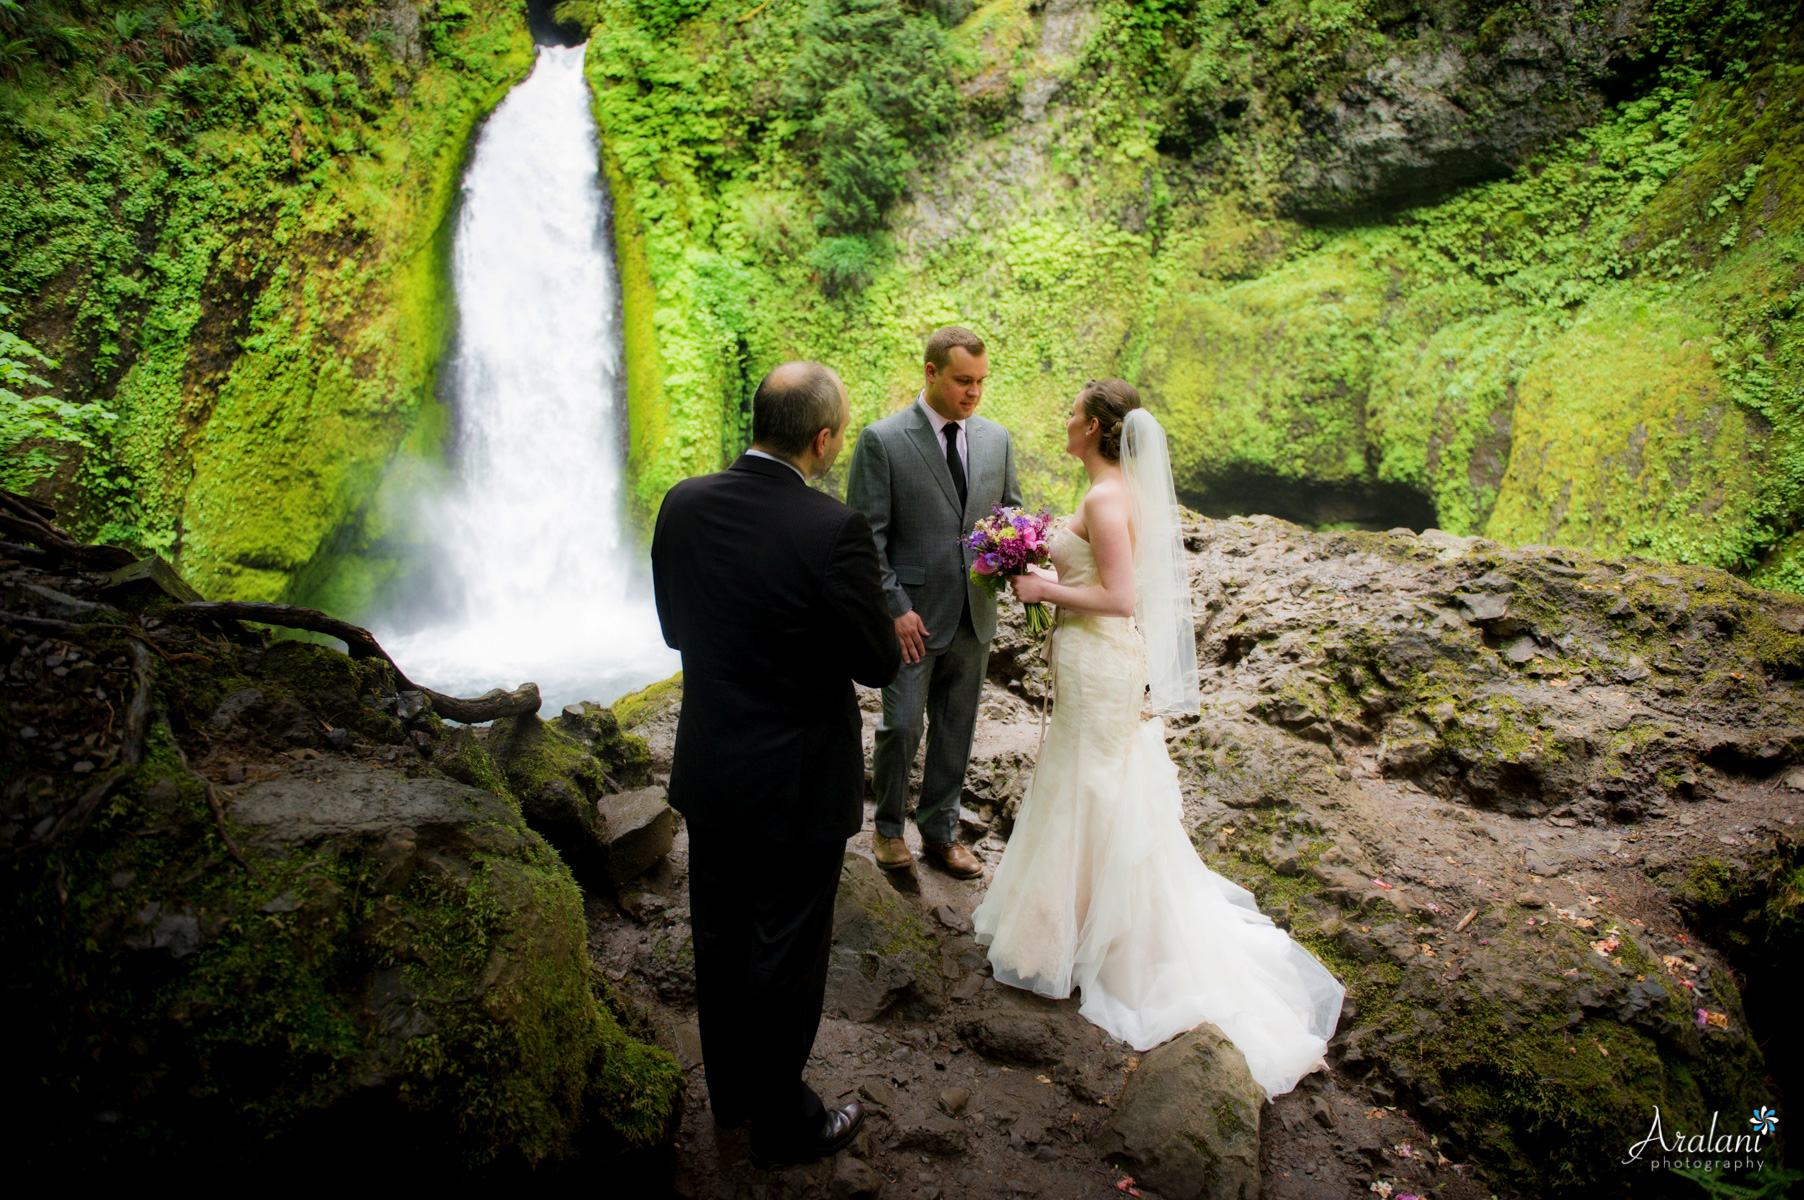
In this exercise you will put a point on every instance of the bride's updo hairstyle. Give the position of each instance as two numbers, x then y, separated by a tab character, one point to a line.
1109	401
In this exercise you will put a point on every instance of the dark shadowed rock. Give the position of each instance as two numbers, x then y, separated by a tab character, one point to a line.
1013	1034
855	1179
560	769
883	953
1461	100
637	829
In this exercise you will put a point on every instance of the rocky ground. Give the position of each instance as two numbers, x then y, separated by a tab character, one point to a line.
1537	810
976	1089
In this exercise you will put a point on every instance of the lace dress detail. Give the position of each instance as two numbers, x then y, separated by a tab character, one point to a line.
1100	889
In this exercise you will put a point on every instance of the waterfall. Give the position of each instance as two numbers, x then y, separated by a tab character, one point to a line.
537	578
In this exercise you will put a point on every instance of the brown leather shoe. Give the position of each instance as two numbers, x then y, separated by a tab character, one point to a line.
954	859
892	852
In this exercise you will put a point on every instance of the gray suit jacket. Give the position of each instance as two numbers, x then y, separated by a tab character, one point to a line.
899	480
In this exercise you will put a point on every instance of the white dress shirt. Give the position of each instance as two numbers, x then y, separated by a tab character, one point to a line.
757	453
962	441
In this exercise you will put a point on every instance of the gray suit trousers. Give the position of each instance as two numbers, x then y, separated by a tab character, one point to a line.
943	687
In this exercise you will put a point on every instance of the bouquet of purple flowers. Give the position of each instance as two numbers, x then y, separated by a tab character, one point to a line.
1007	542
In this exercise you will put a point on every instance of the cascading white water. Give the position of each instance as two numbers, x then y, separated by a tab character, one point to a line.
529	539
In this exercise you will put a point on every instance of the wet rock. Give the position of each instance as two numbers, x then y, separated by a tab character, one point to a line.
637	828
147	582
1188	1120
930	1133
1013	1035
951	918
559	770
883	954
1544	861
666	961
1028	1132
882	1093
854	1179
234	706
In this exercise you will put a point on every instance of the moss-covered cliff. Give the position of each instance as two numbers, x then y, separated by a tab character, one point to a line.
229	226
1530	271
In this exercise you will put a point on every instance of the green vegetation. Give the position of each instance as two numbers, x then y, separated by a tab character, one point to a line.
228	225
30	423
1597	350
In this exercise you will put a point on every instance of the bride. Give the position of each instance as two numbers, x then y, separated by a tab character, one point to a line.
1100	888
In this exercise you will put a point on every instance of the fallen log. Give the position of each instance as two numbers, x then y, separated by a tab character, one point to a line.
359	643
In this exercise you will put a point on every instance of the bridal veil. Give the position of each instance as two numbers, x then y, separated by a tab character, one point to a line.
1161	574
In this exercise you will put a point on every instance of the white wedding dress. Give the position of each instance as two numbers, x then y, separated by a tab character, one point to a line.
1100	889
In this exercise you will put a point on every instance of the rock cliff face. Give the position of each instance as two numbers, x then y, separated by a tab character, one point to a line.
1453	97
1527	273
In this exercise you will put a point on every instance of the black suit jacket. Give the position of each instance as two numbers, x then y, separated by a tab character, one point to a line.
771	591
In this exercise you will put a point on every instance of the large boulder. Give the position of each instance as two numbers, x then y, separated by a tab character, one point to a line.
234	941
883	952
637	829
1188	1120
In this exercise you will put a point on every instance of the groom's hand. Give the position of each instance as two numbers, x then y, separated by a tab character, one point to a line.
913	636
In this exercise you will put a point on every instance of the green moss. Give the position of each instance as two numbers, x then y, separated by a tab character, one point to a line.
464	758
1444	348
245	258
630	709
594	753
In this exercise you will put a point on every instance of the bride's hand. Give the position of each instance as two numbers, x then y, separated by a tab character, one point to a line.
1032	587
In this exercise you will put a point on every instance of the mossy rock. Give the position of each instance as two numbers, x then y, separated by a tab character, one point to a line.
635	708
1499	699
401	963
883	954
559	769
278	939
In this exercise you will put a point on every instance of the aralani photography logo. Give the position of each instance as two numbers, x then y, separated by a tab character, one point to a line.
1712	1156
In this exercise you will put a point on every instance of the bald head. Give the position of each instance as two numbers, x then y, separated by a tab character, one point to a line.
793	405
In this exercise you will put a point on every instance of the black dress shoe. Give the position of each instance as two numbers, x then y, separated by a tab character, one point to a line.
838	1129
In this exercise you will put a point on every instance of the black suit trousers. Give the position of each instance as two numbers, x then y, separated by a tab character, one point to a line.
762	920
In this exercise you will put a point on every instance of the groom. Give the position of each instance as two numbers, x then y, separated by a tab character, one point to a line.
770	589
923	476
